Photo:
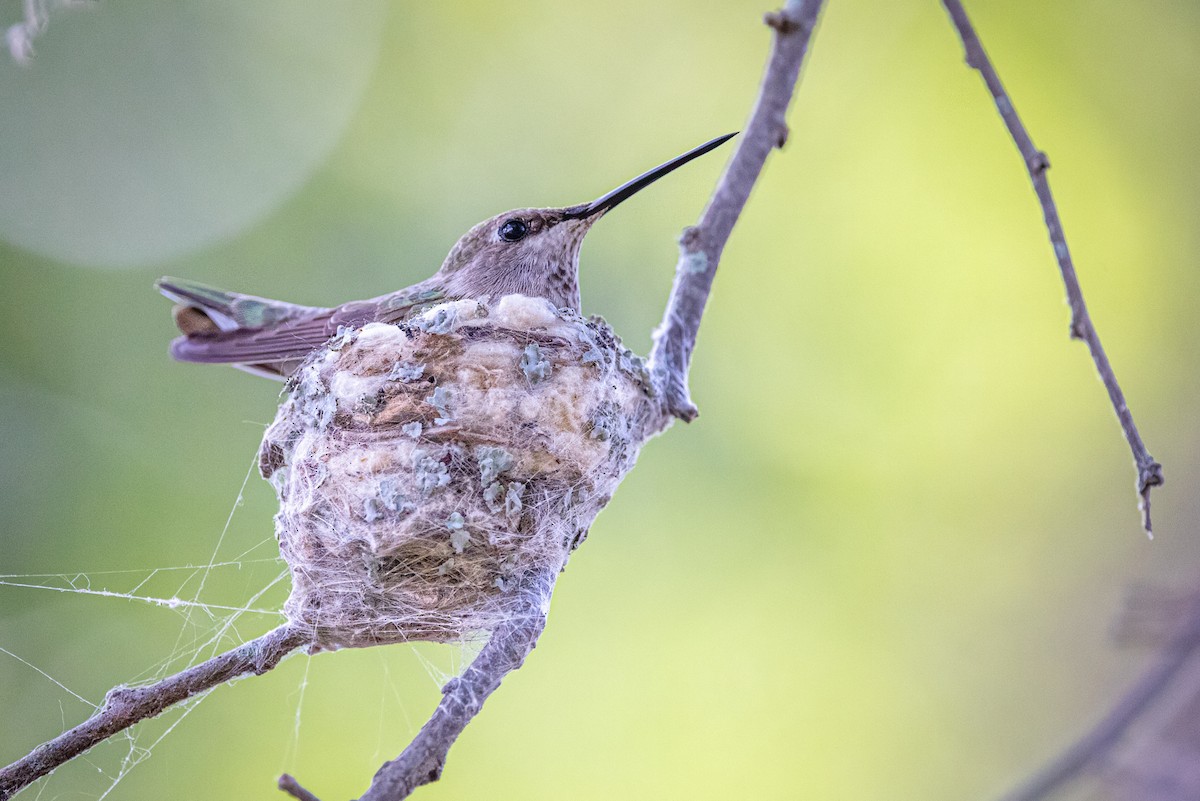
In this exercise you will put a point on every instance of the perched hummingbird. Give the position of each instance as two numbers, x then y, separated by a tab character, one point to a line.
533	252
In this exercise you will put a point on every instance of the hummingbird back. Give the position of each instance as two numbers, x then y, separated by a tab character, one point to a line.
424	468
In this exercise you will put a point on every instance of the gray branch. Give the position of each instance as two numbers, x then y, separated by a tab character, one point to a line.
125	706
1149	472
462	699
1162	677
700	252
700	246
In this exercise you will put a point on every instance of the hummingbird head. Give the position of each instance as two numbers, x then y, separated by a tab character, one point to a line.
535	252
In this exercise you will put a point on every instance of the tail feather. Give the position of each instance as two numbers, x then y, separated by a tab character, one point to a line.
230	311
267	337
215	304
270	337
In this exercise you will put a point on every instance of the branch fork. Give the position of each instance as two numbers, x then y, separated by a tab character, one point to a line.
701	246
700	249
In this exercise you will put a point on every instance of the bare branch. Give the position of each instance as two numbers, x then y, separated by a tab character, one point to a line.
289	785
1159	678
1150	473
125	706
700	252
462	699
700	246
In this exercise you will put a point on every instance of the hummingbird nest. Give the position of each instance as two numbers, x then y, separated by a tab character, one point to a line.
424	468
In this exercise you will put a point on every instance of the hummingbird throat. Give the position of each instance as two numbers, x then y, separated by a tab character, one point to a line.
543	264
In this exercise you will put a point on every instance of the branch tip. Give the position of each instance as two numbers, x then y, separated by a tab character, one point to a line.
685	410
701	245
1081	327
289	785
1151	476
126	706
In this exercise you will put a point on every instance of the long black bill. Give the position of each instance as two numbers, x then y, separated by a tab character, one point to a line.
628	190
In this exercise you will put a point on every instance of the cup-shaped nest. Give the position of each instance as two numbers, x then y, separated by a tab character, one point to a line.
424	468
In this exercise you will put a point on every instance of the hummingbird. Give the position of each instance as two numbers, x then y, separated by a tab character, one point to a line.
530	251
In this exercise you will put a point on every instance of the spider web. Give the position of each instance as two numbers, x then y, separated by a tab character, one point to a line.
207	627
211	622
218	604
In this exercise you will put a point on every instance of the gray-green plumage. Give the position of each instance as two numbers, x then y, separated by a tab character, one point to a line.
271	337
532	252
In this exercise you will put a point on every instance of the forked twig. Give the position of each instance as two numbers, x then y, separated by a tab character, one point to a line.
462	699
1150	472
289	785
125	706
700	246
700	251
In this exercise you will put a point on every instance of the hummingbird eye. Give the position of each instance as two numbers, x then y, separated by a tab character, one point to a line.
513	230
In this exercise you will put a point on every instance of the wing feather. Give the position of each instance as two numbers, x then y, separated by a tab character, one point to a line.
271	337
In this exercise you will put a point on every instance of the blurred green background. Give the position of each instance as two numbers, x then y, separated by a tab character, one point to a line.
883	564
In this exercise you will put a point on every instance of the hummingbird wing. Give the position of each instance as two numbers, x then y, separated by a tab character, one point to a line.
229	311
270	337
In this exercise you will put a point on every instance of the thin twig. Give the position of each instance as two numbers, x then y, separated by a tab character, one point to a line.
1150	472
700	252
700	246
1089	749
289	785
125	706
462	699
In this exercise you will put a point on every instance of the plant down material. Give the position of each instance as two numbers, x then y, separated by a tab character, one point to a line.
423	469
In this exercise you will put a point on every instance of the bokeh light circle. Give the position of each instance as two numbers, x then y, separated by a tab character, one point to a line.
142	132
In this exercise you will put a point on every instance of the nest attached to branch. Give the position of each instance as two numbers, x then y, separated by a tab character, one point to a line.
424	468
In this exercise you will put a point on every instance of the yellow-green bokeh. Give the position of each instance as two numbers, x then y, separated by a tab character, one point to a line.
883	564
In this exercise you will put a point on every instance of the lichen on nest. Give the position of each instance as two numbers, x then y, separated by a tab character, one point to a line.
423	468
